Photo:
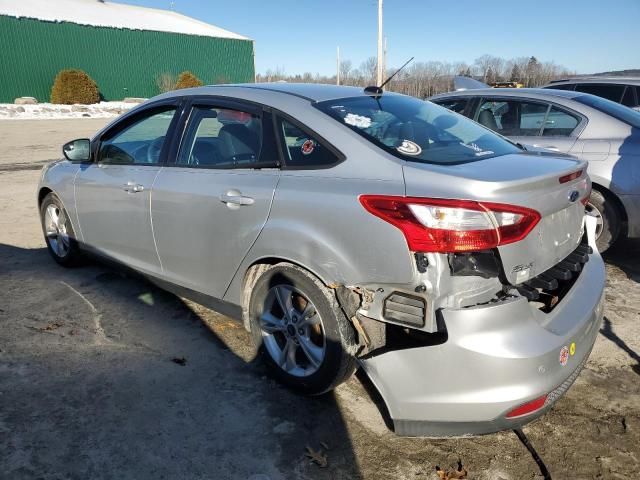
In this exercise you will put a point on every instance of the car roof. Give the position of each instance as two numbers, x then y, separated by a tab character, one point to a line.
596	79
541	93
314	92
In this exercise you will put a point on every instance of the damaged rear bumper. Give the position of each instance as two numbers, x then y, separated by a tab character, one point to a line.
497	357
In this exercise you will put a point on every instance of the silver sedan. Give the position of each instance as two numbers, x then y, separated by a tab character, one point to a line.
348	227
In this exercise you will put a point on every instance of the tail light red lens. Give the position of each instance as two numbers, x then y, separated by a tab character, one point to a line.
449	226
528	408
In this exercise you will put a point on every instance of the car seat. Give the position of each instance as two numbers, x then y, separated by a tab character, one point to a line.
238	144
487	119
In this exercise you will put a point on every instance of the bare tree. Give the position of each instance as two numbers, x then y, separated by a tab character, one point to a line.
166	82
345	70
423	79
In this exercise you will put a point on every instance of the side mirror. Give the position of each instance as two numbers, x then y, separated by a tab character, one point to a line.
77	150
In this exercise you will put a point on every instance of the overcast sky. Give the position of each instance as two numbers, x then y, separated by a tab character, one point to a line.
301	35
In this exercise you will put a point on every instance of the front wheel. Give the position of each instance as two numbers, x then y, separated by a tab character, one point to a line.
58	232
300	330
608	218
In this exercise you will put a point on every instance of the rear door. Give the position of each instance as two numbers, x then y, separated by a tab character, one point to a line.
113	192
211	201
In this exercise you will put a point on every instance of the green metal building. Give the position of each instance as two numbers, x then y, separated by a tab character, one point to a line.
124	48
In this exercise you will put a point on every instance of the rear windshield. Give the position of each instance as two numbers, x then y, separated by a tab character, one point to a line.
622	113
416	130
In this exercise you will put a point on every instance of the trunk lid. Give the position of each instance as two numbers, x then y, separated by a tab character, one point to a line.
518	179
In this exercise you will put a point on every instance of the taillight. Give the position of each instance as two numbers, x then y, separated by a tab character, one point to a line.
448	226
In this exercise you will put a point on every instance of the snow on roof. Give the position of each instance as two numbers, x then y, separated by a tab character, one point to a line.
108	14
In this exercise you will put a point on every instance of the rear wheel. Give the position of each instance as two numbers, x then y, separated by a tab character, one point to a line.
301	331
608	217
58	232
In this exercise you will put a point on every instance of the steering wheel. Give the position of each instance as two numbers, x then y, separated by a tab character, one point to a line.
154	149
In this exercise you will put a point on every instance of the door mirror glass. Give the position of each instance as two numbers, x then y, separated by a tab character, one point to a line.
77	150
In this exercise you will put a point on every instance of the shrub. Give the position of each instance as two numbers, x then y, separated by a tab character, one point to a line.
166	82
74	86
188	80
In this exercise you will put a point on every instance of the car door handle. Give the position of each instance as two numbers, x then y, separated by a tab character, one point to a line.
132	187
233	198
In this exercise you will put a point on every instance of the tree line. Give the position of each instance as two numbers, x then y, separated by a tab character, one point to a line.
423	79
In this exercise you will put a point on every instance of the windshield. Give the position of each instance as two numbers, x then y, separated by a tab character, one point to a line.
622	113
416	130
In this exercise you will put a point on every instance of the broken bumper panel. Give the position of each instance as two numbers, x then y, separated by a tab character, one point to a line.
497	357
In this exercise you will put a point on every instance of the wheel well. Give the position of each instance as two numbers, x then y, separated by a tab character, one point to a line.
44	191
614	199
255	270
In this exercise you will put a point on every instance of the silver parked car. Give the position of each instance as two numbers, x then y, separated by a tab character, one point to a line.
604	133
347	227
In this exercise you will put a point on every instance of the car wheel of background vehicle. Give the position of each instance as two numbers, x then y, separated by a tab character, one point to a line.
58	232
608	217
300	330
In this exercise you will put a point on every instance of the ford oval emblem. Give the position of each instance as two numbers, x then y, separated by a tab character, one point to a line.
573	196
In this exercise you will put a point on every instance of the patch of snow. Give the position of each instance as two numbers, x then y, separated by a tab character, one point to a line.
10	111
109	14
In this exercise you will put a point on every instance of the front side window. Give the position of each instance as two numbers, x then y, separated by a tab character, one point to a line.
140	143
610	92
221	138
303	150
416	130
457	105
512	117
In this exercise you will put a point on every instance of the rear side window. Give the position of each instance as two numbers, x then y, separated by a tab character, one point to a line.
457	105
221	138
302	149
610	92
559	123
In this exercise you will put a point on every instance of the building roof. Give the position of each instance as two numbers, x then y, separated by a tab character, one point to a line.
115	15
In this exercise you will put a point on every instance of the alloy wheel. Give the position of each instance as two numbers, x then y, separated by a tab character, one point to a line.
55	226
592	210
292	331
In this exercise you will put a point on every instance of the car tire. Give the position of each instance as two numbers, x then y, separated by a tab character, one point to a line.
609	219
58	231
307	349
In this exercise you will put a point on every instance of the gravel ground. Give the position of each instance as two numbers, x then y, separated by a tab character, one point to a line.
102	375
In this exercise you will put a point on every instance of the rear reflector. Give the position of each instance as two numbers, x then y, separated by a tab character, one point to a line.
571	176
528	408
450	226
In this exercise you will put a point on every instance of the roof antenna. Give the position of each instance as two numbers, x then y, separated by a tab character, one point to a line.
377	91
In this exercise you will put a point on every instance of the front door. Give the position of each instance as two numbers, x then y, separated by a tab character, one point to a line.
113	192
210	204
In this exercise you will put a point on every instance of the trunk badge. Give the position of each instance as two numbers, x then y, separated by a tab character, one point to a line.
574	195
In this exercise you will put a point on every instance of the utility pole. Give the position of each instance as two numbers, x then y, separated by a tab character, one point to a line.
380	78
384	59
338	66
